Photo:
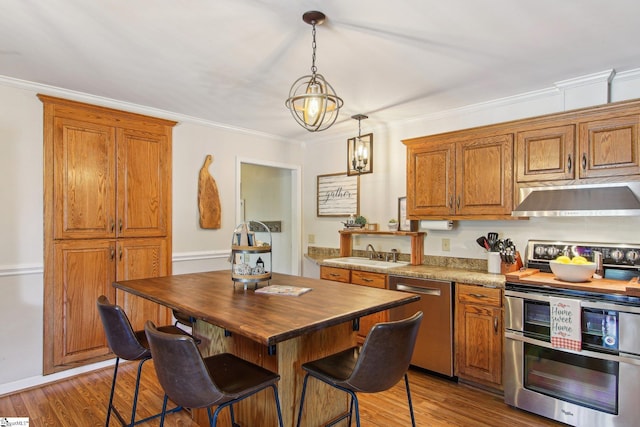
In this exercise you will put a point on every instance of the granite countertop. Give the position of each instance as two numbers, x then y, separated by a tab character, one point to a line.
459	270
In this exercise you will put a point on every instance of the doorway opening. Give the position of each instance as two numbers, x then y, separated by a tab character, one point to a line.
271	192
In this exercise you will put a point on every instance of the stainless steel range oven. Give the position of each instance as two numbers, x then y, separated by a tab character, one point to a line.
597	384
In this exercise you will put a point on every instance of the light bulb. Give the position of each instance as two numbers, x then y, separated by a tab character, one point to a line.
313	104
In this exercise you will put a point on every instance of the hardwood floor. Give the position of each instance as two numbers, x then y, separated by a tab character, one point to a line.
81	401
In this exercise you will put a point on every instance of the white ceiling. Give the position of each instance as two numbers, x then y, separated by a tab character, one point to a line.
232	62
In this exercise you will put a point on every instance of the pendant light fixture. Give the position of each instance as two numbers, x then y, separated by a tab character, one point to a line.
312	101
360	151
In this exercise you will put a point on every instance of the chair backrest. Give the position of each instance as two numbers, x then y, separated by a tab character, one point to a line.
385	355
180	369
120	335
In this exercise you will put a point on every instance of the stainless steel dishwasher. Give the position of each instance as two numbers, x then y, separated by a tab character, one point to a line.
434	346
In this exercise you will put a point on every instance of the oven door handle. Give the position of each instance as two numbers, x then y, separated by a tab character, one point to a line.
623	358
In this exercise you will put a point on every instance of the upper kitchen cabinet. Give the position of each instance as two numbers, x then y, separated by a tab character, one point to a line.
461	175
108	180
609	147
578	145
546	154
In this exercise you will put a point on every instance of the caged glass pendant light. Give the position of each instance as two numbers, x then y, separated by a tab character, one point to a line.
360	151
312	100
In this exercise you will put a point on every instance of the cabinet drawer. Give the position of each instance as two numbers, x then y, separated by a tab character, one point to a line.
334	273
471	294
366	278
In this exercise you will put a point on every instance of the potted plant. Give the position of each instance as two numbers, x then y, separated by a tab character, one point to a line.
393	224
361	221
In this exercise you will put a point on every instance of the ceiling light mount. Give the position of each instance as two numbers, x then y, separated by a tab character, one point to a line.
312	100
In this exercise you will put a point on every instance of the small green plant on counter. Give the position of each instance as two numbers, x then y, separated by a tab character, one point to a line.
393	221
360	220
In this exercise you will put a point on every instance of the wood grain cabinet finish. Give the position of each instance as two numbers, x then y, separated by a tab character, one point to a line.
546	154
597	148
459	175
361	278
109	182
107	217
609	147
479	334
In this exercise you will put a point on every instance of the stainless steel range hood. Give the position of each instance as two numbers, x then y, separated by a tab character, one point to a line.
580	200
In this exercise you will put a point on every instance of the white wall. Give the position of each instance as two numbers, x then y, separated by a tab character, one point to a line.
379	191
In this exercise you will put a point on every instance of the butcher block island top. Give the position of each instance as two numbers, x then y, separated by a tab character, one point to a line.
278	332
265	318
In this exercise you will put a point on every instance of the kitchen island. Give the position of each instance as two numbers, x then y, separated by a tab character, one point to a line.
279	332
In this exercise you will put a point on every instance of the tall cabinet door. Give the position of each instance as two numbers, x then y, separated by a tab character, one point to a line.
484	176
84	180
143	184
431	179
138	259
83	270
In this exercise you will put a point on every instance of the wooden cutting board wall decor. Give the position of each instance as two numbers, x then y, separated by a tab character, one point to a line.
208	197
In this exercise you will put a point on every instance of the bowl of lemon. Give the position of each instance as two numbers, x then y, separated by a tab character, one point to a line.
576	269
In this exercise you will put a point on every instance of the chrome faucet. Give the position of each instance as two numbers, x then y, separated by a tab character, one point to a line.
373	253
393	255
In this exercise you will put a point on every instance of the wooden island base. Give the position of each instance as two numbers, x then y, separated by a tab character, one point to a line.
324	403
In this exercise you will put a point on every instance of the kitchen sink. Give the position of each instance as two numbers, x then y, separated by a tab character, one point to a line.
366	262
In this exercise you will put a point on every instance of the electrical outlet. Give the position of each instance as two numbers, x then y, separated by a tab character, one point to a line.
311	238
446	245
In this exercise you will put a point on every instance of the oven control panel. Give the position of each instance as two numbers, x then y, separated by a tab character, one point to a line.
619	255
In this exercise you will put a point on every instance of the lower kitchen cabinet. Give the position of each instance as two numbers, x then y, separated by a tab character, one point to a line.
86	269
362	278
479	335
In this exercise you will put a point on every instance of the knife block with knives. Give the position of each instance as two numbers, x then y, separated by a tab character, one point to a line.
506	267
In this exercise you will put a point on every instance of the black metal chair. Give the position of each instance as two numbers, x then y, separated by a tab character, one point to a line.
378	365
127	344
196	382
183	319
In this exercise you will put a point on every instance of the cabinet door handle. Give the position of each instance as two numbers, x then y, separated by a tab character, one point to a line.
113	225
451	201
458	203
334	275
120	254
120	225
113	253
478	295
584	161
569	163
364	279
495	324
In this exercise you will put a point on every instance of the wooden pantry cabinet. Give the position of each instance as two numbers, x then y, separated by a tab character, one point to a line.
460	175
362	278
107	216
479	335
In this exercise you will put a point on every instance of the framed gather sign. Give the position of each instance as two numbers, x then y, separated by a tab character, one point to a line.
338	195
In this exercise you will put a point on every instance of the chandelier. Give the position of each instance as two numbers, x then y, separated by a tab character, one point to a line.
312	100
360	151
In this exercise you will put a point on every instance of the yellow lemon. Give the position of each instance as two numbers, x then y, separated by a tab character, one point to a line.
579	260
563	259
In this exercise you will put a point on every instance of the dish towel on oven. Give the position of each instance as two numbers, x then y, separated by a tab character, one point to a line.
566	323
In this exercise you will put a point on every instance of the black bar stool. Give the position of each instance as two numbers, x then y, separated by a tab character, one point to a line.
127	344
196	382
377	366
